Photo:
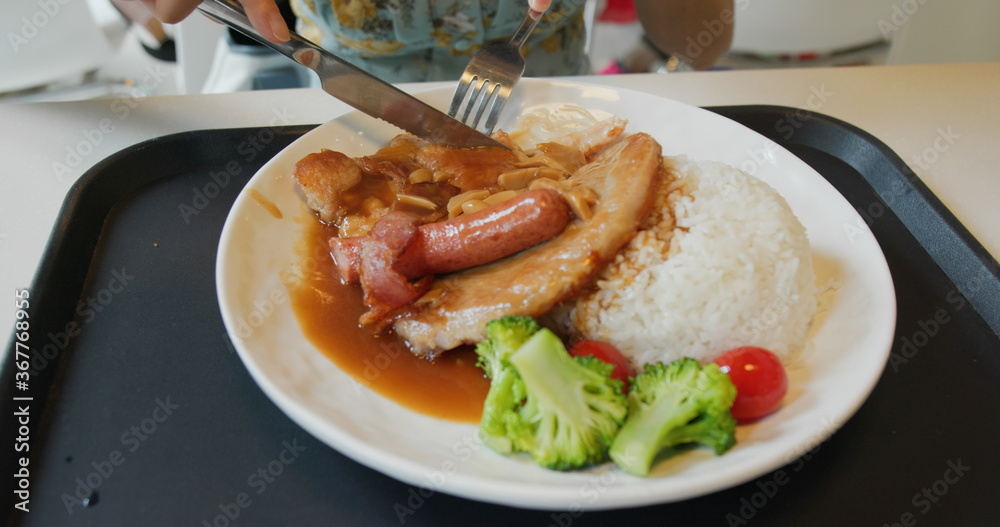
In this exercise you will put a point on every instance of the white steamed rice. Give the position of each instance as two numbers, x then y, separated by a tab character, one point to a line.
722	262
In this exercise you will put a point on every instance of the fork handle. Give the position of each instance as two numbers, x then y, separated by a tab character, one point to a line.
230	12
527	25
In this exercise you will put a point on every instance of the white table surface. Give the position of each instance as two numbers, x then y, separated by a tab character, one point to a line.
943	120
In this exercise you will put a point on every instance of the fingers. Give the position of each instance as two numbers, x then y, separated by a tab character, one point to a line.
263	14
539	5
266	19
171	11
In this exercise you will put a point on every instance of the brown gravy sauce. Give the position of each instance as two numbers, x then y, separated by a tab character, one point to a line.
452	387
268	205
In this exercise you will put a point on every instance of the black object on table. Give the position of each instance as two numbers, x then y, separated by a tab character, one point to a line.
143	414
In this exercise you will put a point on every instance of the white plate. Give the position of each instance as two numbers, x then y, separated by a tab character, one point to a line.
847	351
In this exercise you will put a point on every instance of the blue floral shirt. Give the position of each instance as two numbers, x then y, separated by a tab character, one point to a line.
427	40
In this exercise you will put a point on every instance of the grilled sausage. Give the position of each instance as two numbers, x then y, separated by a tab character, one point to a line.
468	240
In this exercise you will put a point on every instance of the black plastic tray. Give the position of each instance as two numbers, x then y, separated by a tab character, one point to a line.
143	414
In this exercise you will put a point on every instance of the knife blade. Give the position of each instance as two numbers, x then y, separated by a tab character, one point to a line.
357	87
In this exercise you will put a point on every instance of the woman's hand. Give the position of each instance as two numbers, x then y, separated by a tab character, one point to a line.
263	15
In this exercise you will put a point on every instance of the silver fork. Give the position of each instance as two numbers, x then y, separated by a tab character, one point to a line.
492	74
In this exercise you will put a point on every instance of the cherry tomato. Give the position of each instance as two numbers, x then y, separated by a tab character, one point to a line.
759	378
607	353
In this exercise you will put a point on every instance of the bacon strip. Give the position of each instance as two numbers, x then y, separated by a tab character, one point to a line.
384	287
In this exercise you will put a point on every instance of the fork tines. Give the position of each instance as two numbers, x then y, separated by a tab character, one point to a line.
484	94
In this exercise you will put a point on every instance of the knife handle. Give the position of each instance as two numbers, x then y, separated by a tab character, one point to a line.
231	13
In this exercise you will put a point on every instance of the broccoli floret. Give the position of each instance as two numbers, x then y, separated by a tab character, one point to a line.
572	408
506	393
503	337
669	405
504	397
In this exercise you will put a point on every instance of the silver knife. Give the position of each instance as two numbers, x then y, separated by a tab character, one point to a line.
357	87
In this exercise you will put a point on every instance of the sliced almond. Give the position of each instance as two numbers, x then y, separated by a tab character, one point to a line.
455	204
517	179
421	175
542	160
473	205
501	196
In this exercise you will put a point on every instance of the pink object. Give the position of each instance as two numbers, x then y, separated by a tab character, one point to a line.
620	11
614	68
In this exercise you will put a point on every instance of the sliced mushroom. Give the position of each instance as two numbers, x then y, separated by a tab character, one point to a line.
560	186
578	204
587	193
542	160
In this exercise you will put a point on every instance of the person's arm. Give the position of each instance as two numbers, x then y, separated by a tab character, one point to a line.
263	14
697	32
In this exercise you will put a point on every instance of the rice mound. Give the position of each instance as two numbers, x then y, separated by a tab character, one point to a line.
721	262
